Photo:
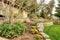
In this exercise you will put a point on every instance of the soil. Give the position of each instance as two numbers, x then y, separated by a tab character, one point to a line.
26	35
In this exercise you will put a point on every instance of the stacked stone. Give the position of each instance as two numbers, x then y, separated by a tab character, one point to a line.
40	28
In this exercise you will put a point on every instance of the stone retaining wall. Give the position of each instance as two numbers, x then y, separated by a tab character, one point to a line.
48	23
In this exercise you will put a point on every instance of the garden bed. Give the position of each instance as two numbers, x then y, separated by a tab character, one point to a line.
19	31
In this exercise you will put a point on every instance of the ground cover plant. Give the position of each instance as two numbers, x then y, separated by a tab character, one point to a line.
53	31
12	30
34	30
38	37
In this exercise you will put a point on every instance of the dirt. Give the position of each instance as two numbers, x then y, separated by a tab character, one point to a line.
27	35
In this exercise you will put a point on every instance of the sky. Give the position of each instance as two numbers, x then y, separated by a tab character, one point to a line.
47	1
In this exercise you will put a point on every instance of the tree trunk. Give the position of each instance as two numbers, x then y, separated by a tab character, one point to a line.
11	15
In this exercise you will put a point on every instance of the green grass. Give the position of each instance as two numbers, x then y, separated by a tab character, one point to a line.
53	31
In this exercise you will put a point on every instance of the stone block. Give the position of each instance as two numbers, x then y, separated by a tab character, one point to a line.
45	35
40	27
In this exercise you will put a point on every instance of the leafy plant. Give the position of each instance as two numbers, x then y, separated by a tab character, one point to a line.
33	30
38	37
58	11
42	14
12	30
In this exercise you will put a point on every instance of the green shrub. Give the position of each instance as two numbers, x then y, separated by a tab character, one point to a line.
12	30
33	15
42	14
33	30
38	37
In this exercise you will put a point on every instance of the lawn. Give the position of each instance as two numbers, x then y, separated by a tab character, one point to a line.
53	31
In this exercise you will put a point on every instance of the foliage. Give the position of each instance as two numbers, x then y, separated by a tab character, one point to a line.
47	9
38	37
12	30
58	11
28	5
53	31
32	15
33	30
57	14
42	14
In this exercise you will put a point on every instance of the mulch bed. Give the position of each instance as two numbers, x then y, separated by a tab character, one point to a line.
26	35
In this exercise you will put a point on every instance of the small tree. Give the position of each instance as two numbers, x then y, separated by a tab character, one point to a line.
49	8
58	11
42	14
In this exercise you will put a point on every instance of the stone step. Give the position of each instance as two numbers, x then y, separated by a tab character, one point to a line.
45	35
